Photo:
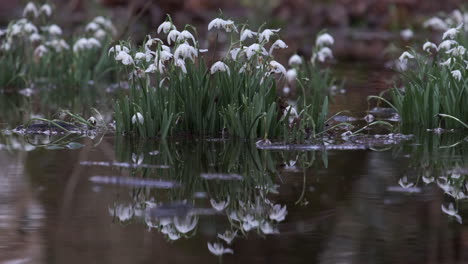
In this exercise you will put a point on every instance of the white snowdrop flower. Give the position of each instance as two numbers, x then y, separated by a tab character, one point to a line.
54	30
291	75
150	42
451	211
249	222
139	56
185	51
450	33
466	62
227	25
58	44
93	43
447	44
228	236
152	68
457	51
35	37
278	44
171	232
165	48
295	60
165	27
30	8
92	26
181	64
255	49
117	49
435	23
267	228
457	16
247	33
219	206
406	34
324	53
85	44
429	45
40	51
369	118
138	159
447	62
30	28
403	182
138	117
278	213
185	35
186	224
100	34
276	67
266	34
457	75
427	179
172	36
324	39
122	212
292	113
405	56
244	67
286	90
234	52
92	120
219	66
124	57
46	9
218	249
164	55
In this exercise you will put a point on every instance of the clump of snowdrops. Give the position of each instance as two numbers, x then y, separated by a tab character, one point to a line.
175	89
33	50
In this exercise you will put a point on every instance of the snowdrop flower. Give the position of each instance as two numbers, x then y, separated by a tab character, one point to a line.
278	44
170	231
150	42
92	120
122	212
427	179
447	62
452	32
30	8
295	60
58	44
457	51
54	30
447	44
291	75
249	222
154	67
35	37
165	27
92	26
138	159
219	206
172	36
456	75
184	35
466	62
219	67
138	117
218	249
292	113
227	25
278	213
181	64
87	43
266	34
267	228
139	56
276	67
100	34
286	90
247	33
30	28
185	225
163	56
40	51
452	212
323	54
228	236
435	23
406	34
429	45
234	52
118	48
185	51
405	56
324	40
46	9
255	49
403	182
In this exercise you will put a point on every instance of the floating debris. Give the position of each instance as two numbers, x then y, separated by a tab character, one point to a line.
123	165
134	182
221	176
48	128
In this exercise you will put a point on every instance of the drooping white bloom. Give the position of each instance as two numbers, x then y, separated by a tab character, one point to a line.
447	62
92	26
147	56
46	9
219	206
452	212
276	67
172	36
403	182
163	56
181	64
54	30
86	44
58	44
227	25
171	232
427	179
185	51
228	236
122	212
247	33
138	159
295	60
278	213
40	51
457	51
30	28
185	35
100	34
324	39
429	45
291	75
166	27
266	34
154	67
35	37
451	33
435	23
447	44
405	56
291	110
457	75
218	249
249	222
278	44
118	48
186	224
255	49
234	52
30	8
220	66
150	42
323	54
406	34
267	228
138	117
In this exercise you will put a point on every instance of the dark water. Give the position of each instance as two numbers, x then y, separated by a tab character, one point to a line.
90	202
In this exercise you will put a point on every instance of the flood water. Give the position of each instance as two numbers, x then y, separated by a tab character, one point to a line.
112	200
